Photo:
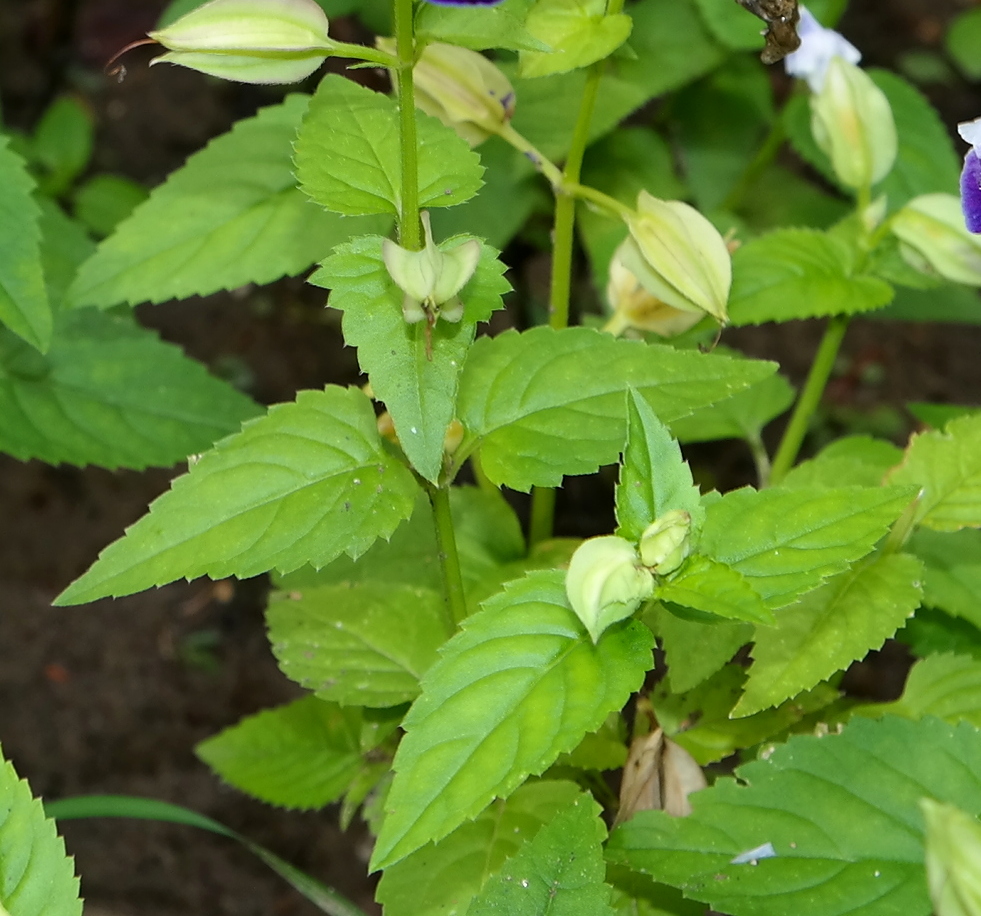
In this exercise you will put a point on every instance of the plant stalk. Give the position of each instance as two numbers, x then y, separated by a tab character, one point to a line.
810	397
449	559
410	232
563	241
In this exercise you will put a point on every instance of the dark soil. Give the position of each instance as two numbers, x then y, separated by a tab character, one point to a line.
111	698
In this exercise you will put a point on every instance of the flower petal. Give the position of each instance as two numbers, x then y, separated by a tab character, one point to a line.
971	191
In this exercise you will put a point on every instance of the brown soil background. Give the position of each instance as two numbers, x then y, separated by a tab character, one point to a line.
111	698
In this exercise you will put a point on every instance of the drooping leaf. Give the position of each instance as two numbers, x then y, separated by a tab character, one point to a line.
786	542
831	627
714	588
363	644
800	273
305	483
302	755
445	877
326	899
699	719
363	173
24	304
37	877
110	393
560	871
577	32
231	216
850	461
416	378
654	478
841	813
524	397
519	685
947	466
952	562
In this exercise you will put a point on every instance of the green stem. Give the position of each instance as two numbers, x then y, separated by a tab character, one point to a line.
449	559
410	232
563	243
603	201
810	397
362	52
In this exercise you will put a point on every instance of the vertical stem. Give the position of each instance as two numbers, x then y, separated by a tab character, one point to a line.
810	397
563	239
449	560
410	235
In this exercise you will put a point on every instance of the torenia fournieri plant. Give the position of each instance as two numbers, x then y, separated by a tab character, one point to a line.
476	689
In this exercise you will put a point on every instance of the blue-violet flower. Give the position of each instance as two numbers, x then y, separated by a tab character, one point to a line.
971	175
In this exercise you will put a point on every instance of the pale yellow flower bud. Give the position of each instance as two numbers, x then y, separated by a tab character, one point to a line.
934	238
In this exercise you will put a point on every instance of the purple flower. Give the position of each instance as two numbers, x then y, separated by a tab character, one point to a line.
971	175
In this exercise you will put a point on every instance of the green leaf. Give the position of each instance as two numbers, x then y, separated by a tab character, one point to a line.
520	684
696	649
851	461
578	33
524	397
65	245
110	393
947	467
417	382
445	877
829	628
23	301
799	273
324	898
946	686
546	113
62	143
363	174
654	478
305	483
478	27
560	871
37	877
963	40
926	161
699	719
786	542
303	755
842	813
938	415
603	749
231	216
934	632
714	588
741	416
364	644
953	570
104	201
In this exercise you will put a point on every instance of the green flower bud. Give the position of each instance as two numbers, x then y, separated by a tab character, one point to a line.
635	307
852	122
678	256
250	41
606	583
460	87
953	859
934	238
432	277
666	542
